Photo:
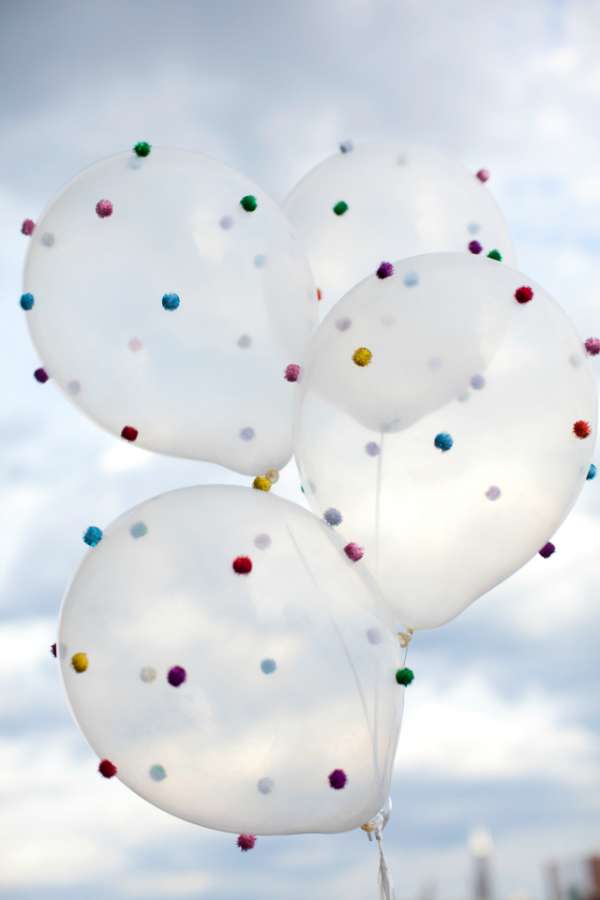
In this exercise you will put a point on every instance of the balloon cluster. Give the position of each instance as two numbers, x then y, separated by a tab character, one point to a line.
235	659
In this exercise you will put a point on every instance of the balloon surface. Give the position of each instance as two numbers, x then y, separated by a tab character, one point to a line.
446	422
237	671
385	202
169	295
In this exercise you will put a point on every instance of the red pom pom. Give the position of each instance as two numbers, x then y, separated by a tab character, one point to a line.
129	433
319	294
483	175
592	346
106	768
27	227
104	208
246	842
582	429
292	372
523	294
242	565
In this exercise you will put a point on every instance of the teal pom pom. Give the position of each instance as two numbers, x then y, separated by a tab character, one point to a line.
591	472
405	677
27	301
92	536
443	441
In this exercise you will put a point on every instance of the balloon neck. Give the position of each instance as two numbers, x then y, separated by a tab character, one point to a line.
405	637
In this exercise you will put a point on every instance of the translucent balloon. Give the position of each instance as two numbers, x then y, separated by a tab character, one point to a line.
237	671
447	417
382	202
169	296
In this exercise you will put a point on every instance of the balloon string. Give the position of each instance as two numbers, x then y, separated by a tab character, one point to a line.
378	502
386	885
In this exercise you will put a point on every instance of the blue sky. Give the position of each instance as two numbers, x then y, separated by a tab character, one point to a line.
502	725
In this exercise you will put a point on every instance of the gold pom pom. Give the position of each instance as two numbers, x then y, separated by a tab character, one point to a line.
272	475
261	483
79	661
362	356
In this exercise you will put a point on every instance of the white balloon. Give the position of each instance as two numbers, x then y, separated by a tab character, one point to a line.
402	201
290	670
161	304
454	357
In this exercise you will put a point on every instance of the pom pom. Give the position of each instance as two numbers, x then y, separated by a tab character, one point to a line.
475	247
411	279
107	769
346	147
248	203
523	294
319	294
27	301
142	148
547	550
157	773
483	175
272	475
79	661
582	429
129	433
493	492
362	356
477	382
338	779
385	270
246	842
41	375
176	676
242	565
372	449
104	208
27	227
92	536
292	372
405	677
443	441
268	666
591	472
495	254
170	301
592	346
340	208
333	516
261	483
138	530
53	650
354	552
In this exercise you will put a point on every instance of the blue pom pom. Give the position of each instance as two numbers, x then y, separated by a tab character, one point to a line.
170	301
27	301
411	279
157	773
268	666
443	441
93	536
332	516
591	472
138	530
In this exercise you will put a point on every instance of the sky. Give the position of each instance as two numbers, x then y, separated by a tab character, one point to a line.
502	724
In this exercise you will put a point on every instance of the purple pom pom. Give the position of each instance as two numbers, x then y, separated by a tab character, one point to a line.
176	676
338	779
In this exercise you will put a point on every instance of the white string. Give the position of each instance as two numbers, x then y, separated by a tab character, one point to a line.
386	886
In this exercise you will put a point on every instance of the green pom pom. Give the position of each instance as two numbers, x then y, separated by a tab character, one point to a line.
142	148
248	203
495	254
340	208
405	677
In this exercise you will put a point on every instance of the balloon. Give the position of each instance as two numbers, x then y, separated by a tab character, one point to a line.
169	295
381	202
446	423
237	671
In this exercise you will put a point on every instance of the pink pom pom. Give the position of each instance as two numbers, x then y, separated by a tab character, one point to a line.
354	552
292	372
27	227
104	208
246	842
592	346
483	175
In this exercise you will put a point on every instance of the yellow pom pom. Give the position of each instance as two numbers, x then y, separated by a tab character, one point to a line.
261	483
362	356
79	661
272	475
